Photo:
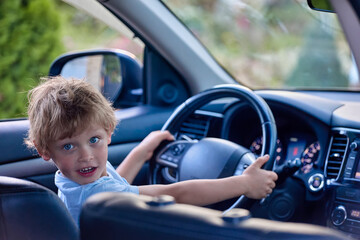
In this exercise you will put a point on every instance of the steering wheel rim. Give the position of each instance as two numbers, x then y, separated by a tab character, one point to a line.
263	111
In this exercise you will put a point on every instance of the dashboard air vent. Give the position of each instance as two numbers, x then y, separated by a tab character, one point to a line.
336	155
195	127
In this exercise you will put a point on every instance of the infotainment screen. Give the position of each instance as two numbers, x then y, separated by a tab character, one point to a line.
357	173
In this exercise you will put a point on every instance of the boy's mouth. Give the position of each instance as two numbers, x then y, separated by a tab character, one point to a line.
87	171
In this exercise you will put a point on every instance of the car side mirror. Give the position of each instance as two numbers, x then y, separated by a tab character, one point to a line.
116	74
321	5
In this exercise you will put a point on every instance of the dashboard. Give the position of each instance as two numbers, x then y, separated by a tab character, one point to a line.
323	134
299	136
344	184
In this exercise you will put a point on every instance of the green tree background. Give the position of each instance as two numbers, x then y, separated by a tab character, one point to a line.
30	40
33	34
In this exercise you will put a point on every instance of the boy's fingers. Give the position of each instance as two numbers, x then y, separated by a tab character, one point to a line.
261	161
168	135
275	176
272	186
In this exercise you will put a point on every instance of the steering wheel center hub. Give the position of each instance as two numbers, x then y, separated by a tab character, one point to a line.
210	158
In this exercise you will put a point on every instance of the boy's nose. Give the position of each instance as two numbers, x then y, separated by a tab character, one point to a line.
85	154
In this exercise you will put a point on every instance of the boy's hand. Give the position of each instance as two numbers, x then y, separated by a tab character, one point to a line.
260	182
133	162
147	146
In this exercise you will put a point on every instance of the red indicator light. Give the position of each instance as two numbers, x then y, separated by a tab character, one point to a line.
295	152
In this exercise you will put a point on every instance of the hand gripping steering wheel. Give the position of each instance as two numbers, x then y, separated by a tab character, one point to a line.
211	158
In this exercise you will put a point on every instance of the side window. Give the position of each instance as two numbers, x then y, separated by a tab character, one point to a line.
49	29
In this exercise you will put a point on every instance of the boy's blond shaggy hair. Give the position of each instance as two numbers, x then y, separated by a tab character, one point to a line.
60	108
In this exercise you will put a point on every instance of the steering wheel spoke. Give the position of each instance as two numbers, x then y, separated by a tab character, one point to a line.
172	153
246	160
166	161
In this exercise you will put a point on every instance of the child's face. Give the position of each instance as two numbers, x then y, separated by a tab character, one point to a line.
81	158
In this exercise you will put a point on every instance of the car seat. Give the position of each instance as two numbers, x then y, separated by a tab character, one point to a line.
130	216
31	211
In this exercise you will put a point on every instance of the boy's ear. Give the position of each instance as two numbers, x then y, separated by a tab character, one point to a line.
109	138
44	154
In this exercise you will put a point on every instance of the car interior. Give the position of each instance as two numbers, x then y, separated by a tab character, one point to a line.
220	127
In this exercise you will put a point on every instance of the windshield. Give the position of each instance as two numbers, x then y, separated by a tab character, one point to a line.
278	44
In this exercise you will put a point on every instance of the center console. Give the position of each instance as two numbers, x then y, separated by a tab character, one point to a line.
343	179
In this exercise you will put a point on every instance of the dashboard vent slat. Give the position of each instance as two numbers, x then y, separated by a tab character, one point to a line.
336	155
195	127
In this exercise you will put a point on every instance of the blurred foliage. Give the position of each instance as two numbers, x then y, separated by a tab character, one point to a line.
318	63
270	44
81	31
33	34
29	41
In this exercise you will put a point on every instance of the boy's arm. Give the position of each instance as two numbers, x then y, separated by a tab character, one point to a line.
254	183
198	192
133	162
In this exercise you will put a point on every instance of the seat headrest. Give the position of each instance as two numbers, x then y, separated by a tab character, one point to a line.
31	211
110	215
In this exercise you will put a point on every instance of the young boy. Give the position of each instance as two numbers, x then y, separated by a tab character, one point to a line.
72	123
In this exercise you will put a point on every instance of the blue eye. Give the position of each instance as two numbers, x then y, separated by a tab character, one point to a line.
94	140
68	147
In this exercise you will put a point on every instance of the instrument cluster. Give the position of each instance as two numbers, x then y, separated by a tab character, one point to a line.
290	147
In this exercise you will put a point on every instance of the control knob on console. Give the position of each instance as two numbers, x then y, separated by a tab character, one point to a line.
316	182
354	146
338	215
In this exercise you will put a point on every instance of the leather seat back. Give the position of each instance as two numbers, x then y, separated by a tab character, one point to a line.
129	216
31	211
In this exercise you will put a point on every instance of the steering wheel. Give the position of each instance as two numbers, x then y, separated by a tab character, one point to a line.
211	158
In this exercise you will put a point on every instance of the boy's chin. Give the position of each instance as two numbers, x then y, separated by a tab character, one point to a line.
85	181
